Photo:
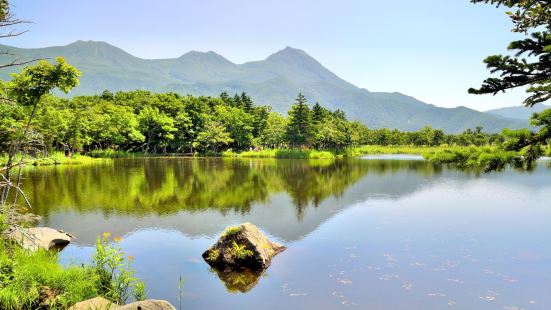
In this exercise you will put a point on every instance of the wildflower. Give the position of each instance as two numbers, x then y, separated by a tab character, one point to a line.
130	257
106	235
117	239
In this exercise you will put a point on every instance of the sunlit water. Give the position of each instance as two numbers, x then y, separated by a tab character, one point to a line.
367	234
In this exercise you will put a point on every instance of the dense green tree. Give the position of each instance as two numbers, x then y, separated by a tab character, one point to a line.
27	90
213	137
319	113
333	133
299	128
246	103
156	127
273	136
260	119
530	67
238	123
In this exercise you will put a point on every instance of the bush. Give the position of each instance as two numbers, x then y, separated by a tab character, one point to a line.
117	281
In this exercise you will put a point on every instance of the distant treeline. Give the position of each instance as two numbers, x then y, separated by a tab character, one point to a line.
140	121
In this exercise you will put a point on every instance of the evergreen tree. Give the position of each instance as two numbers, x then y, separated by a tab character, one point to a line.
533	19
237	101
318	113
226	98
530	67
246	102
299	130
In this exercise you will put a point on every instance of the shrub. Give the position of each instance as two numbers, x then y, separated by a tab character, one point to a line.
117	281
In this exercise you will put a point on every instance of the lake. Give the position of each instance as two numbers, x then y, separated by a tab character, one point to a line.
372	233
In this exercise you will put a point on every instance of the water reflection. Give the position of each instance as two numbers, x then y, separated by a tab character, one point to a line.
374	234
124	195
238	281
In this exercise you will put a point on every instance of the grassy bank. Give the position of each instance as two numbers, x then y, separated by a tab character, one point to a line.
489	158
388	150
24	275
30	279
351	152
283	153
56	158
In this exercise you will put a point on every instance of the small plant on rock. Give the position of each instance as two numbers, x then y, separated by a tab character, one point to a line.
232	230
240	251
214	255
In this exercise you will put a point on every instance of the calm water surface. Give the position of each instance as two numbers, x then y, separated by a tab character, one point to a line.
366	234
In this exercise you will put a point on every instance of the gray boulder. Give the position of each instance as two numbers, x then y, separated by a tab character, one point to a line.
35	238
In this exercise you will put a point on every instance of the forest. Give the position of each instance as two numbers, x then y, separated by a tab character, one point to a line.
141	121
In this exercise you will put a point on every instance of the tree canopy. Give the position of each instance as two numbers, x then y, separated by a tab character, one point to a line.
530	64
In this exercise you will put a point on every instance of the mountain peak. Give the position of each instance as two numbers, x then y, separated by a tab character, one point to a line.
290	54
88	43
209	56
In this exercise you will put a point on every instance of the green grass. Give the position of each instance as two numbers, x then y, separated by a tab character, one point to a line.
54	158
232	230
382	150
115	154
489	158
283	153
23	274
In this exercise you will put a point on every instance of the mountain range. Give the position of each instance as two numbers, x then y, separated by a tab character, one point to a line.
274	81
519	112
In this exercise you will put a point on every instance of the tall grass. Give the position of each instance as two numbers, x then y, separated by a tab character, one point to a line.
23	275
109	153
283	153
489	158
54	158
381	150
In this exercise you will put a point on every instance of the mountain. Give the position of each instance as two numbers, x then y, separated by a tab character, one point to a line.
274	81
519	112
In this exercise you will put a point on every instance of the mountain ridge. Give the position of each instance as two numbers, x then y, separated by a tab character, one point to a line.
518	112
274	81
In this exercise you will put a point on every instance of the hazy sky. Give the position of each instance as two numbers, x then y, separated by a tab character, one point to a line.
429	49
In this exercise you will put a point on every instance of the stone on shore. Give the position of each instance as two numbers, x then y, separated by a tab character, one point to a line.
97	303
150	304
242	247
35	238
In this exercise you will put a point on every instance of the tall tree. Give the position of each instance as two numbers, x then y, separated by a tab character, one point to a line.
530	67
246	102
27	89
531	63
299	129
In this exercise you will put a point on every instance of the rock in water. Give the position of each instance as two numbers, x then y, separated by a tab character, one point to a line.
150	304
39	237
242	247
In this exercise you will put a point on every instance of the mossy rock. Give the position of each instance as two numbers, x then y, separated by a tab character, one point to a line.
242	247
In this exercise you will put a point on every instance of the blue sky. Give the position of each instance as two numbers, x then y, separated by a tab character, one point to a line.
429	49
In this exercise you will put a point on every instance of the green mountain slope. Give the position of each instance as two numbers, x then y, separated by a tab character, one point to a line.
519	112
274	81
